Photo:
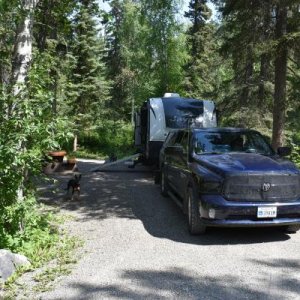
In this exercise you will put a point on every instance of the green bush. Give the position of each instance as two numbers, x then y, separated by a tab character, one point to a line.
109	137
295	156
30	130
26	229
293	140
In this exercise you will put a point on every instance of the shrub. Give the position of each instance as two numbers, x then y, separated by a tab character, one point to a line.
109	137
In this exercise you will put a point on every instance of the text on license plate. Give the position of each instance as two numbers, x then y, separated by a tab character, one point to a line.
267	212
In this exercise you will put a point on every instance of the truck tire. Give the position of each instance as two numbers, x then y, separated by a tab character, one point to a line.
292	228
194	222
164	185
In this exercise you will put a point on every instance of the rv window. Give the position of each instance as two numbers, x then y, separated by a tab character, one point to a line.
180	113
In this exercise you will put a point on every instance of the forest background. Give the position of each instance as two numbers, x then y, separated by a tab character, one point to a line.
72	75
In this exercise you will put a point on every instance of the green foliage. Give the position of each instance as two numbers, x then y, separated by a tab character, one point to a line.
165	50
146	52
60	253
89	88
26	230
203	65
25	136
293	140
295	156
251	46
109	137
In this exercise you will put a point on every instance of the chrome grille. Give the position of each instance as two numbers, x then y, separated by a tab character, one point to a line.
283	187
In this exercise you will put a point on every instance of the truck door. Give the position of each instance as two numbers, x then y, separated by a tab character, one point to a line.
180	166
175	158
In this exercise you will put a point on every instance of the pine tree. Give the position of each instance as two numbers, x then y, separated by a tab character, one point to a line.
202	67
246	32
258	38
117	62
90	87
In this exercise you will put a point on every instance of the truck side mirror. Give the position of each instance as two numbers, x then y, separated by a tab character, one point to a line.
284	151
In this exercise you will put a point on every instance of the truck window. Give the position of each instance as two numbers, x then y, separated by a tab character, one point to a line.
221	142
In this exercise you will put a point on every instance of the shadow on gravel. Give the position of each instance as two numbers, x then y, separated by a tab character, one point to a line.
287	281
103	194
178	283
170	223
280	263
134	196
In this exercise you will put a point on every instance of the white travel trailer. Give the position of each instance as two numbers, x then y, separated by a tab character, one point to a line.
158	116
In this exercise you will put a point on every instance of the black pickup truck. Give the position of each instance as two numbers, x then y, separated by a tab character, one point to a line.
230	177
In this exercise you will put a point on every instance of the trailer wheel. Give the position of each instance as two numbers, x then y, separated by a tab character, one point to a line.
164	185
157	177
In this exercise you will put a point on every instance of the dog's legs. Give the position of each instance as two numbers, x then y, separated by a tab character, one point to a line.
75	195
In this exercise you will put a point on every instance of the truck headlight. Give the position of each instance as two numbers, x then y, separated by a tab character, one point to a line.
212	213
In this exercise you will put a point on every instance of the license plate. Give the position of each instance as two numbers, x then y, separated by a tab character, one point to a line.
267	212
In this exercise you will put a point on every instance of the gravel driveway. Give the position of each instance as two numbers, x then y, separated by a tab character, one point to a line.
137	247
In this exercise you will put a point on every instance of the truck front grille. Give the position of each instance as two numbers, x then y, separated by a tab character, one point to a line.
257	187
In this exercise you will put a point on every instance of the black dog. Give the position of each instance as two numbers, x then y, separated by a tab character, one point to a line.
75	186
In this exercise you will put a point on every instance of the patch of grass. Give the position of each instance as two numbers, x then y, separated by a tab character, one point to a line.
120	153
61	256
83	153
46	279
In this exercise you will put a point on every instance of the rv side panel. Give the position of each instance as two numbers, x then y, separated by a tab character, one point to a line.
209	114
157	131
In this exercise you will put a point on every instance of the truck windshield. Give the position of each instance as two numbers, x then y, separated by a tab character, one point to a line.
180	112
224	142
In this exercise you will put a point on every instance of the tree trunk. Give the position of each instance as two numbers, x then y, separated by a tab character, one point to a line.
20	66
280	78
75	142
23	47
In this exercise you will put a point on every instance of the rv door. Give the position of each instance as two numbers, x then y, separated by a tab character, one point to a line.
137	129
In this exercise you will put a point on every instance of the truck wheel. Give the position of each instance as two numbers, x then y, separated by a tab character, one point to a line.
164	186
195	224
292	228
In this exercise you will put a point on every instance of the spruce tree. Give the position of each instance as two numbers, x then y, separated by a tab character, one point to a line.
90	87
117	62
201	68
260	38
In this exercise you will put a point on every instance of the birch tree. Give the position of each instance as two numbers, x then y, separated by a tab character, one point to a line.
20	65
23	47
